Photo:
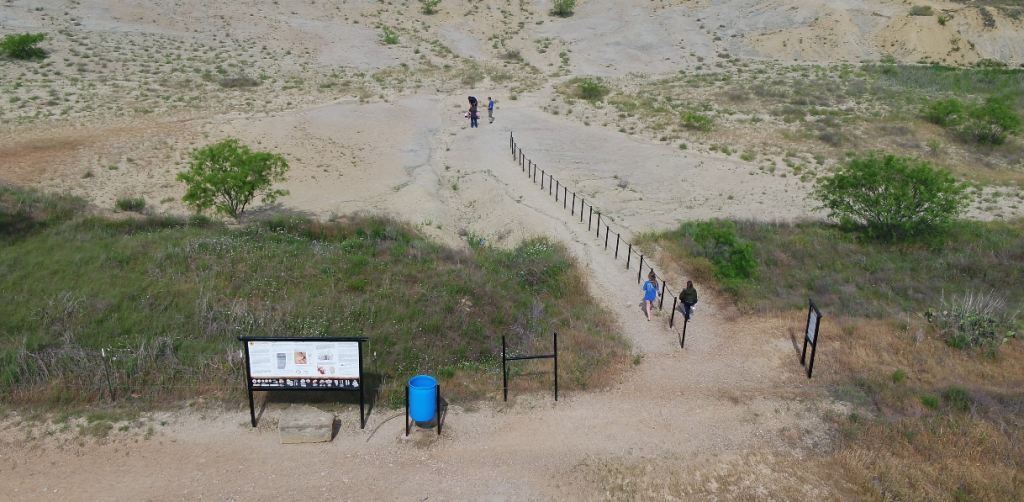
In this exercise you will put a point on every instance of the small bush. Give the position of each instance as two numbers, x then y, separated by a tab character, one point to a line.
429	6
563	8
958	398
945	112
930	401
921	10
898	376
511	55
23	46
944	19
733	259
892	197
388	35
986	17
591	89
694	120
130	204
991	122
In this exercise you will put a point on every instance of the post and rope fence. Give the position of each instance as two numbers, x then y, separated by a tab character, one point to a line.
554	186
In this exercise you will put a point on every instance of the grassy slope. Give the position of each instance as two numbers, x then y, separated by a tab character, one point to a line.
930	422
165	299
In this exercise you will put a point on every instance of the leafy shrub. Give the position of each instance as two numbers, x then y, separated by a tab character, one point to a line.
930	401
986	17
945	112
591	89
921	10
135	205
943	19
733	259
563	8
228	176
974	320
989	123
23	46
388	35
694	120
429	6
892	197
898	376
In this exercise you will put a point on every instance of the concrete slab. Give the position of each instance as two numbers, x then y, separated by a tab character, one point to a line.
305	424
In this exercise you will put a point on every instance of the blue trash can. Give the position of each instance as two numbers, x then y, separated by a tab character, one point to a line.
422	398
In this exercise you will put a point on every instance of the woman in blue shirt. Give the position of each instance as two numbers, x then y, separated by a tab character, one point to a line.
650	292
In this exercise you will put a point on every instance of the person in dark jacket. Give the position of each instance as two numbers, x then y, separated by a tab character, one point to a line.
473	116
689	299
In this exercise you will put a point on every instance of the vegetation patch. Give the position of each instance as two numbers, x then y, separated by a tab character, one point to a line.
149	309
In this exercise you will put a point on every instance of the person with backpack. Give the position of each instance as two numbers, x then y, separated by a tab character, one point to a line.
689	299
473	116
650	292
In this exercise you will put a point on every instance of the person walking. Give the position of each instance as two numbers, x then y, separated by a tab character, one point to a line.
689	299
650	293
490	110
473	115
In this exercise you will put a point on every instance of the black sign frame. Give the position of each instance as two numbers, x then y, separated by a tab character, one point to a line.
811	311
248	375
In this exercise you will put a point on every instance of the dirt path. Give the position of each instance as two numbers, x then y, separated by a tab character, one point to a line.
736	390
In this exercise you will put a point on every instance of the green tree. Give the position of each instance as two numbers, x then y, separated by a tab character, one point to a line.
563	8
24	46
892	197
228	176
945	112
429	6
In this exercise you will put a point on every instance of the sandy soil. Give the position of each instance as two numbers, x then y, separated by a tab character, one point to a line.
131	88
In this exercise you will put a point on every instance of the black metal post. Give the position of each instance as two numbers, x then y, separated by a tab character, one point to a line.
558	184
511	140
590	219
814	350
606	237
535	174
542	179
672	320
437	408
640	271
686	322
661	304
573	212
565	196
629	255
406	410
550	179
598	225
556	366
583	202
362	385
504	372
248	385
617	235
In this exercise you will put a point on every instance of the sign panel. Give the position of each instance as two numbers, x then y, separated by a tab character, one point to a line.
812	325
303	365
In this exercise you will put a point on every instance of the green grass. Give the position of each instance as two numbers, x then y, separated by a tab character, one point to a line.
849	276
131	204
165	298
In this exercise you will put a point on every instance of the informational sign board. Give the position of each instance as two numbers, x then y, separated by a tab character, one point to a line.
285	365
811	336
290	364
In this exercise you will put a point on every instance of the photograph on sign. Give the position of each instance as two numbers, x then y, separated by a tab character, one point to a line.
812	325
304	364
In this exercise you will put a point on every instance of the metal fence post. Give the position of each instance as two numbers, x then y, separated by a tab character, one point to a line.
573	204
629	255
542	179
565	196
640	271
583	202
606	237
556	366
590	219
558	185
599	226
672	320
617	236
550	179
504	372
661	304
